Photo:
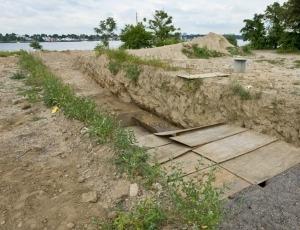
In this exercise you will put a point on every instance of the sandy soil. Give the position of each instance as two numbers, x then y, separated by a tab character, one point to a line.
48	165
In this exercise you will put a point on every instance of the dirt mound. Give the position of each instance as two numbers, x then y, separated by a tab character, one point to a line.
211	41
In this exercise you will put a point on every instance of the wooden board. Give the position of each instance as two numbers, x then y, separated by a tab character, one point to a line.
167	152
231	147
177	131
151	141
138	131
264	163
188	163
223	180
204	136
203	75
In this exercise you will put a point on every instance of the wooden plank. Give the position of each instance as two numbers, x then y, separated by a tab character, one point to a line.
203	75
177	131
167	152
138	131
234	146
204	136
264	163
151	141
223	180
188	163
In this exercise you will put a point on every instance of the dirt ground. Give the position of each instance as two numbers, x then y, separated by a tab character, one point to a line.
52	176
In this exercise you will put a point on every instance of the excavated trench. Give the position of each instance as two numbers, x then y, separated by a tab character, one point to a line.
189	105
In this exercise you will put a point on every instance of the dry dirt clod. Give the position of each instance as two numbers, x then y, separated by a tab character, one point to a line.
26	106
89	197
70	225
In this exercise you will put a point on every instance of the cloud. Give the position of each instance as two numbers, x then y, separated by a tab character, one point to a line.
78	16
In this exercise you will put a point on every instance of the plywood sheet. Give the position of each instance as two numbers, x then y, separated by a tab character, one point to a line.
228	182
188	163
204	136
203	75
138	131
167	152
264	163
177	131
151	141
231	147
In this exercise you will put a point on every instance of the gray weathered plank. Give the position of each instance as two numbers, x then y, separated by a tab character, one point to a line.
223	180
202	75
151	141
207	135
264	163
233	146
167	152
188	163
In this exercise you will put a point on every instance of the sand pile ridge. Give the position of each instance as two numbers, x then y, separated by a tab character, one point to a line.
212	41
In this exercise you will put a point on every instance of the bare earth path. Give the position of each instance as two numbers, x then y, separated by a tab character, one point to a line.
47	163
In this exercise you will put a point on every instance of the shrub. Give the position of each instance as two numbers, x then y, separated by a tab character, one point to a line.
232	39
194	51
36	45
114	67
133	72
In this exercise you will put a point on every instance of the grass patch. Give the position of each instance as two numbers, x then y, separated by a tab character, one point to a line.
18	76
193	51
272	61
9	53
297	64
121	56
193	204
133	72
240	51
192	85
114	67
244	93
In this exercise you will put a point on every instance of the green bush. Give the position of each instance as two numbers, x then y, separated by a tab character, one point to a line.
36	45
114	67
133	72
232	39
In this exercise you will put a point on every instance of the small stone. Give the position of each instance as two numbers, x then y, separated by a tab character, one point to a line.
26	106
89	197
20	225
70	225
2	222
133	190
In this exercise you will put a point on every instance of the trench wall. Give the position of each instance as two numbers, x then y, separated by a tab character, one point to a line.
185	104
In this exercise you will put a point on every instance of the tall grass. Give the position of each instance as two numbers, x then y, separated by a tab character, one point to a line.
194	204
9	53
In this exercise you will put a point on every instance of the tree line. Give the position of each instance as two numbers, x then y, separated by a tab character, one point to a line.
277	27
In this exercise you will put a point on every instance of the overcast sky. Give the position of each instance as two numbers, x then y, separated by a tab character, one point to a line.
81	16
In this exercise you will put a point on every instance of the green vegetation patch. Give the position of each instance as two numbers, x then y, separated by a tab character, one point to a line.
240	51
193	51
242	92
194	204
9	53
297	63
18	76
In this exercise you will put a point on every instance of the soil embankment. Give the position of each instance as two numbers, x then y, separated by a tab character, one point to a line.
274	107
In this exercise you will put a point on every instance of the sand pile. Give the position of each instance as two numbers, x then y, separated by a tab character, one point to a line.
211	41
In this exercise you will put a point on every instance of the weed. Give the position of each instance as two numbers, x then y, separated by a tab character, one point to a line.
114	67
9	53
133	72
240	91
32	94
18	76
247	49
193	85
196	52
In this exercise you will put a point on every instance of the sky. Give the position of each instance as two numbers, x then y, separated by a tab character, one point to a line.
81	16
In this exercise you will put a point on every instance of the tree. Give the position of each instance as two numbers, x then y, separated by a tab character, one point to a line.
163	28
106	30
231	38
136	37
274	21
36	45
255	31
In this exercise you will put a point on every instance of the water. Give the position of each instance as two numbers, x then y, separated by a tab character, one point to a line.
58	46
